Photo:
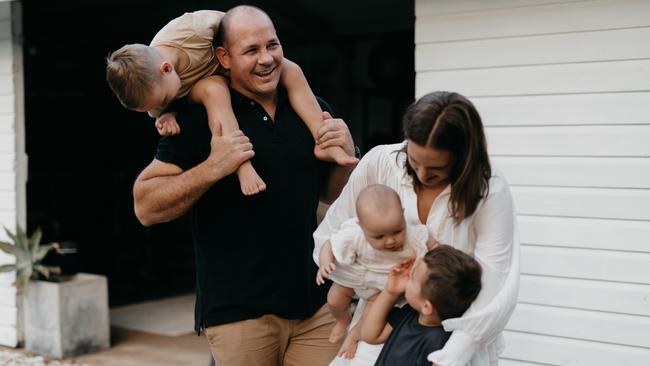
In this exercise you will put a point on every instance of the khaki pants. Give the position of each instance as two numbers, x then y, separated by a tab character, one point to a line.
273	341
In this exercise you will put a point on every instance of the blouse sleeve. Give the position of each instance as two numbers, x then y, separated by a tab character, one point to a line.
366	173
497	251
345	242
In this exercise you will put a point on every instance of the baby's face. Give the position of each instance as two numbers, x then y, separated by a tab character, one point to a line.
385	230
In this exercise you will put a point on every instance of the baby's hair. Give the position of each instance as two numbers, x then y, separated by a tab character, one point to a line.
453	280
377	199
131	73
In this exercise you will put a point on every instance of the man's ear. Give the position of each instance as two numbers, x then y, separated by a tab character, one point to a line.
223	57
166	67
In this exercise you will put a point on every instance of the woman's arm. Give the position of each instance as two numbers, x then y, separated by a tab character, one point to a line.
497	250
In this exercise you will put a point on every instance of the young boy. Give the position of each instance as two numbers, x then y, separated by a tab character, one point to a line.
365	249
180	62
439	286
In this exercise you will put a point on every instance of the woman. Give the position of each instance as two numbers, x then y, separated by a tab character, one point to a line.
443	176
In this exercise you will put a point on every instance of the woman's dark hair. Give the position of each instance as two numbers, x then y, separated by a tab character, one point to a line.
448	121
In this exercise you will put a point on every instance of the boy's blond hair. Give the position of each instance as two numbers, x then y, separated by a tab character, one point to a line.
131	73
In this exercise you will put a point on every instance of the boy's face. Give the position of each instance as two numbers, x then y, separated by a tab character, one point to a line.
385	230
163	93
413	291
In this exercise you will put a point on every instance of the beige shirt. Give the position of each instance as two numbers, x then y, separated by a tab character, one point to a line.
490	235
192	34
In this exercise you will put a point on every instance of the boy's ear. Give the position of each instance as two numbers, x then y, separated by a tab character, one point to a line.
223	57
166	67
428	309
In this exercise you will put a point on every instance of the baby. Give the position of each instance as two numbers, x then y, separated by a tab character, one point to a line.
359	257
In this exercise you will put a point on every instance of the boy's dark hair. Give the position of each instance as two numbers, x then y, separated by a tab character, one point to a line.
453	280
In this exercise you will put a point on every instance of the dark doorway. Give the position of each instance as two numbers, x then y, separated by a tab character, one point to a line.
85	150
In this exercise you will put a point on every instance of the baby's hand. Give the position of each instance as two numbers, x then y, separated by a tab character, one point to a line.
324	272
166	124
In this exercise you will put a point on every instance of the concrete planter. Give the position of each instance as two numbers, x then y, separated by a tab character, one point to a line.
66	319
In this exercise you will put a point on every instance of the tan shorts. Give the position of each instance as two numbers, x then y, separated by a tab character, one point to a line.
273	341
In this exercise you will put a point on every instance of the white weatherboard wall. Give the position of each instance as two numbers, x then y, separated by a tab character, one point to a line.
564	91
13	161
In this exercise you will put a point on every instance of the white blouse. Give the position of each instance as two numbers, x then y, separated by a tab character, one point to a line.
490	235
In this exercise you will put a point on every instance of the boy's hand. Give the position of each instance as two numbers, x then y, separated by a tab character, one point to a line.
166	124
324	272
399	276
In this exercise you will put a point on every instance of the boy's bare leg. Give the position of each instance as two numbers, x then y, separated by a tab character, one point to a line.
305	104
338	301
214	94
349	347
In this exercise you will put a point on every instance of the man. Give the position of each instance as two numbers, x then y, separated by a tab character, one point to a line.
257	301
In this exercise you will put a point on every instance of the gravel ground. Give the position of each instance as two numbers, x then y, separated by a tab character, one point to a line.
8	358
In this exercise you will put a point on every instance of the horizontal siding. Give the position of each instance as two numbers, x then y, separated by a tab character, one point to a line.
7	182
7	107
575	172
563	88
7	162
583	202
591	264
7	143
8	296
8	201
6	58
427	7
545	79
581	324
610	45
553	351
619	235
8	336
599	141
572	109
533	20
8	315
7	279
615	297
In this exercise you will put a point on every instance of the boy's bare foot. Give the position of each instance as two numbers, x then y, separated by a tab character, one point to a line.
336	154
349	347
339	329
250	182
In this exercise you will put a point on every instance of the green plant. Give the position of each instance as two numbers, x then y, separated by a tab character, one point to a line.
29	253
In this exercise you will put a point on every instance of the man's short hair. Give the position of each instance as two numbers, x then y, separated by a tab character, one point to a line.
131	73
453	281
224	25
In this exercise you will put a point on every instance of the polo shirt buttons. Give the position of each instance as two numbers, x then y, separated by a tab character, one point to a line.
265	118
252	103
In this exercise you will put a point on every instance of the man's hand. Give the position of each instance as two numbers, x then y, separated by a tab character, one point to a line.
399	276
166	124
228	152
324	272
334	132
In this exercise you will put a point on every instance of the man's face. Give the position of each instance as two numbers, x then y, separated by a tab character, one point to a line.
253	56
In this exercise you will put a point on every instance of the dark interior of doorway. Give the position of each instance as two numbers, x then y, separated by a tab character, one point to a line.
85	150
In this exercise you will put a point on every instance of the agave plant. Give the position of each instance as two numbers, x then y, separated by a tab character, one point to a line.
29	253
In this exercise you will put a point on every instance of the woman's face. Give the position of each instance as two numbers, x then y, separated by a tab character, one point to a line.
432	166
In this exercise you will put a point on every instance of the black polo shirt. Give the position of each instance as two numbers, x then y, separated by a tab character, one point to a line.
254	253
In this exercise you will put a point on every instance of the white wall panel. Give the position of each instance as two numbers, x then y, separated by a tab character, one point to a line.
8	315
568	109
543	19
583	202
546	79
8	336
592	264
626	298
602	141
555	351
428	7
575	172
620	44
621	235
581	324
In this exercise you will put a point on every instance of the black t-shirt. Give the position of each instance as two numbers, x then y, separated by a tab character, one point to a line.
410	342
254	253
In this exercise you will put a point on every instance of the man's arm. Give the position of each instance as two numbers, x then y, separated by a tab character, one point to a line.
334	132
164	192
